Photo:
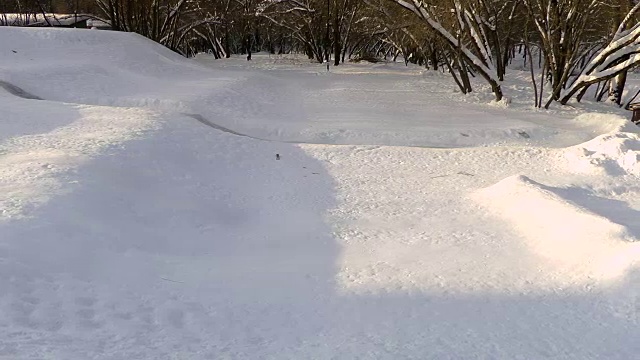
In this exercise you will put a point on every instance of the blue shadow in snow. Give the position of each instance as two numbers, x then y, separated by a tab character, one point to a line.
197	244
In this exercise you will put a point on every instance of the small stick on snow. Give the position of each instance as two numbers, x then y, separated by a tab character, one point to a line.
175	281
458	173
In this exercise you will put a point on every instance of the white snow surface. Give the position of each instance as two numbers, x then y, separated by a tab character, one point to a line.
143	213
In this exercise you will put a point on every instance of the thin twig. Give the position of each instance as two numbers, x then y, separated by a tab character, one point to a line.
175	281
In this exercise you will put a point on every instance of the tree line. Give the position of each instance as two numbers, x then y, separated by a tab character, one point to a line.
569	46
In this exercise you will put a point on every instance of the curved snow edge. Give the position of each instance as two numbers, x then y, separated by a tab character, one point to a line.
17	91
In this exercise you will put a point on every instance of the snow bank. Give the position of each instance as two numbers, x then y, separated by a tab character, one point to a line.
93	67
403	106
604	123
616	152
582	238
610	154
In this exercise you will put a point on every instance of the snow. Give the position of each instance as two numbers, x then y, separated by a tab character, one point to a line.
608	60
39	19
420	9
583	241
141	216
610	154
33	153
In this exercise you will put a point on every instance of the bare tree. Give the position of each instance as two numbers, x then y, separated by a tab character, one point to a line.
561	26
465	30
621	54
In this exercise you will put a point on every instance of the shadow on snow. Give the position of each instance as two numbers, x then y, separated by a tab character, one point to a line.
211	248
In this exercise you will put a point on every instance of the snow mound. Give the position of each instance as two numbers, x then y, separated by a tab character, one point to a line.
615	152
601	123
404	106
609	154
504	103
93	67
564	226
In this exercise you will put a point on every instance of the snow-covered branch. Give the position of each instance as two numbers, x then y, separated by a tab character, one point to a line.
621	54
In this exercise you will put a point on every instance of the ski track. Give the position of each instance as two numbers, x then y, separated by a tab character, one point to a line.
130	231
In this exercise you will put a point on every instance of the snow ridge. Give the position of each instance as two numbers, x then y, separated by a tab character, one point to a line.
558	228
612	154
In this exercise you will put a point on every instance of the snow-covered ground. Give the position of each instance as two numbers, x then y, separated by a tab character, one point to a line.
143	213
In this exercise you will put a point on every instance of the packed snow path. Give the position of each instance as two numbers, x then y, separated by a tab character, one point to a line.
140	233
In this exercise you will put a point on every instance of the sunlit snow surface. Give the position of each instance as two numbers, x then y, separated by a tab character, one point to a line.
143	213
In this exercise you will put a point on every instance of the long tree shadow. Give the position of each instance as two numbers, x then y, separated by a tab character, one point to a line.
190	232
197	244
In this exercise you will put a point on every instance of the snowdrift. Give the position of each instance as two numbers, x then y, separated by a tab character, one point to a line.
564	226
133	231
92	67
616	152
287	103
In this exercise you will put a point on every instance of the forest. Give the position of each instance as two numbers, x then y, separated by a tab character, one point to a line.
568	46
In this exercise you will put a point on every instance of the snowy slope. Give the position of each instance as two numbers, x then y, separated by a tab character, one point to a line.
129	230
354	104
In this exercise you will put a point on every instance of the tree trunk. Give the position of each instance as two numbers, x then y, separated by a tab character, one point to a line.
337	41
616	87
433	57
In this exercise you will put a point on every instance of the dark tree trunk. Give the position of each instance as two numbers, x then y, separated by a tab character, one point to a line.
617	87
337	45
433	57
